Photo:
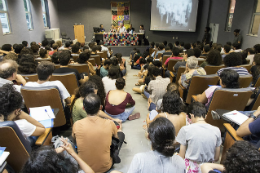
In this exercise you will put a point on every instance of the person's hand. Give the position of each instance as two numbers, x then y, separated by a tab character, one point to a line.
59	150
67	146
257	112
20	79
118	121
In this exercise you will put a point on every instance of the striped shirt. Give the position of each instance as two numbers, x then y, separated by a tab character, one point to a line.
158	88
239	70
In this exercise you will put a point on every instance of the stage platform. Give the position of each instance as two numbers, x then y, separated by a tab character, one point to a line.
125	50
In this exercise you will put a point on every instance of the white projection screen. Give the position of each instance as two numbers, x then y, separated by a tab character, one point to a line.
174	15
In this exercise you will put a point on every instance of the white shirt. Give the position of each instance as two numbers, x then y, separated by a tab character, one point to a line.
250	58
63	91
238	50
104	48
122	30
5	81
109	84
26	128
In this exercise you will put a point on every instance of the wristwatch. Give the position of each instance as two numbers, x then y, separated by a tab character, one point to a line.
252	116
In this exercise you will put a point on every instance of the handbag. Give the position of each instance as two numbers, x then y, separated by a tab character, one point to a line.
114	150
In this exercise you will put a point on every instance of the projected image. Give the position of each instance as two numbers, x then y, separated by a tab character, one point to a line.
174	15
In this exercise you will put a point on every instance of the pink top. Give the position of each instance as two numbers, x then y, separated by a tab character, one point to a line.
166	62
118	109
209	92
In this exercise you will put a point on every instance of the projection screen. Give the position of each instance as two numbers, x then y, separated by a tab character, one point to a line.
174	15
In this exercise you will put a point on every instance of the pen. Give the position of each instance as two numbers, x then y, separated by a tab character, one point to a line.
47	113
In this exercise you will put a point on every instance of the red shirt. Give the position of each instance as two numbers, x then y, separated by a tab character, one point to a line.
118	109
166	62
138	61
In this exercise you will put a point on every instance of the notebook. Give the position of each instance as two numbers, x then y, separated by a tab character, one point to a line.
236	117
44	115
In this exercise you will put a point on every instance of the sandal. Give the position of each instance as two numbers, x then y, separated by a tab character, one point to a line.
135	116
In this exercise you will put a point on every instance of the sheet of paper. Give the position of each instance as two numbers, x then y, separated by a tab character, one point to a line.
47	123
42	113
236	117
2	149
3	157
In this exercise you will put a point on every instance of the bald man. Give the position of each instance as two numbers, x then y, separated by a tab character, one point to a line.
8	73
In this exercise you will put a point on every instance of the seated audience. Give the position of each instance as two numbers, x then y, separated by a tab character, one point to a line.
250	55
227	49
161	158
88	132
172	108
116	101
11	102
160	50
168	51
8	74
44	71
187	46
46	159
67	46
257	48
11	56
104	68
213	59
228	79
55	49
156	88
241	157
250	129
191	69
233	61
18	49
75	50
255	69
44	43
77	112
55	58
27	65
175	55
206	50
110	80
244	56
101	89
83	59
136	62
35	49
104	48
25	43
236	47
44	54
122	63
64	59
196	149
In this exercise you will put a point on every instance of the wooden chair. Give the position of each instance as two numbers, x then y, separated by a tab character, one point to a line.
198	85
231	138
172	63
92	61
257	84
151	50
204	57
247	66
212	69
102	55
45	96
15	143
159	56
180	71
39	60
97	59
75	58
255	103
30	77
56	66
164	58
229	99
245	81
82	68
200	61
69	80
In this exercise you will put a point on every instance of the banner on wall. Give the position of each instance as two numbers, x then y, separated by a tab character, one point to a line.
120	13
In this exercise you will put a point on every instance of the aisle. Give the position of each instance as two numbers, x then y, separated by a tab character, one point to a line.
135	135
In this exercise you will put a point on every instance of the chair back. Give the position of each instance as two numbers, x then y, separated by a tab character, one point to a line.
212	69
172	63
246	66
204	57
257	84
97	59
15	143
102	55
255	103
228	99
56	66
164	58
159	55
151	50
180	71
245	80
82	68
30	77
69	80
45	96
199	84
200	61
75	58
39	60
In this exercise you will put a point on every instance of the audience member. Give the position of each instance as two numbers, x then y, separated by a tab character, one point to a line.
35	49
75	50
55	58
101	89
160	50
250	55
104	48
104	68
55	49
88	132
255	69
175	55
110	80
27	65
227	49
213	59
196	149
18	49
233	61
116	101
206	50
11	102
241	157
44	54
228	79
236	47
44	71
11	56
191	70
8	74
257	48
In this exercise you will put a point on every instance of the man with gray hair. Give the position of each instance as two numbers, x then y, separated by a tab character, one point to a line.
8	73
191	69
